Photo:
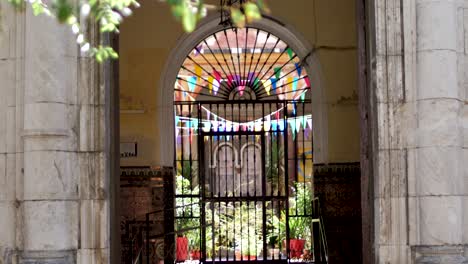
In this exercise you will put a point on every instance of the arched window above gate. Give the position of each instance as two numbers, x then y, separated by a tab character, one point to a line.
241	64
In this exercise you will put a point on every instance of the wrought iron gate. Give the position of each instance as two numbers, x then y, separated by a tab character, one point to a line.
243	161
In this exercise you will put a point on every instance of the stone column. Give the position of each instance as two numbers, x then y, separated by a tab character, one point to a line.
50	205
11	62
437	188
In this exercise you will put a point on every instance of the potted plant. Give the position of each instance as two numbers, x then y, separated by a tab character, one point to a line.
273	248
250	248
194	243
187	211
298	221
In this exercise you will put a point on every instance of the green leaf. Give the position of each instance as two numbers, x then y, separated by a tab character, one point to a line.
252	12
237	17
63	10
189	20
37	8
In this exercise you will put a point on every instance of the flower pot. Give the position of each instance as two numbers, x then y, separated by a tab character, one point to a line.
181	249
274	253
296	247
195	254
249	257
238	255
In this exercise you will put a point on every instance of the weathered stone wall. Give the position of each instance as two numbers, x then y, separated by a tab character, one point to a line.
53	206
420	102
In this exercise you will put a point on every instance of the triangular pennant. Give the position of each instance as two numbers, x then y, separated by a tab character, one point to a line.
192	81
177	132
267	123
221	126
281	125
292	124
198	71
309	122
237	79
294	84
217	75
214	126
290	52
277	72
277	115
267	86
197	50
289	82
258	126
206	126
298	125
176	120
230	79
228	126
215	86
303	95
255	83
235	127
298	69
307	80
273	83
250	77
241	89
210	84
274	125
304	122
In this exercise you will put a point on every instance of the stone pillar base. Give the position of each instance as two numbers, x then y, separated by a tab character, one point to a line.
440	254
48	257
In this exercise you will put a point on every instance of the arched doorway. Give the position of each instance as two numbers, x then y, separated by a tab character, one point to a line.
151	123
243	150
